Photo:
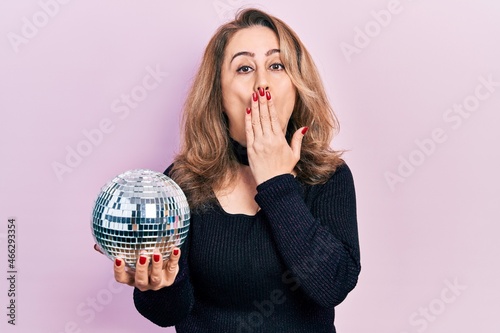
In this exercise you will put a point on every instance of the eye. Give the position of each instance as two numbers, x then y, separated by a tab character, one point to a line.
277	67
244	69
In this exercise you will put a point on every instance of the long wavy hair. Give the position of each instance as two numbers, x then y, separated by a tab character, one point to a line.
206	163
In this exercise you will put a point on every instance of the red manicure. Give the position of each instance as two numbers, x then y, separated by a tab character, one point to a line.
156	257
118	262
142	260
261	91
249	110
304	130
255	97
176	252
268	95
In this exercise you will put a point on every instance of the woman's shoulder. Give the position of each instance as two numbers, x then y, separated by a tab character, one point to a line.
340	180
168	170
341	174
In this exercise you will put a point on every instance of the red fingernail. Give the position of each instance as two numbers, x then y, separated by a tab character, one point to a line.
255	97
176	252
156	257
268	95
118	262
261	91
142	260
249	110
304	130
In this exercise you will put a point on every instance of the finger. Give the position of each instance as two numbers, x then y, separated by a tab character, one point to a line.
142	273
172	267
121	274
155	279
265	120
273	115
255	114
296	142
248	127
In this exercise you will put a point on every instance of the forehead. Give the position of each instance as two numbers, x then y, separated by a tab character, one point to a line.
256	39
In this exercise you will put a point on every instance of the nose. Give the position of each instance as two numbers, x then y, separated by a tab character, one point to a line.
261	80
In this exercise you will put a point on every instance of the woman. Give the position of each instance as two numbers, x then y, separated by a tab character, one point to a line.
273	243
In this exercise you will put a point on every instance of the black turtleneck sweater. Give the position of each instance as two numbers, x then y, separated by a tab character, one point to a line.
282	270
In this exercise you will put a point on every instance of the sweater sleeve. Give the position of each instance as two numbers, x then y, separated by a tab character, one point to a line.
318	240
169	305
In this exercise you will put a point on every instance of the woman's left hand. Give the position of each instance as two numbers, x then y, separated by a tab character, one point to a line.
269	154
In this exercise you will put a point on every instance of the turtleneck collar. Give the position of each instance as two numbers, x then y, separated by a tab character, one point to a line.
239	151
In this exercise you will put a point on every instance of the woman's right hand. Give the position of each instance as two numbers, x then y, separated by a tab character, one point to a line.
160	274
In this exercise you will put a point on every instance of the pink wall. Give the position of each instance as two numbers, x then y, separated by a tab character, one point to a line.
415	84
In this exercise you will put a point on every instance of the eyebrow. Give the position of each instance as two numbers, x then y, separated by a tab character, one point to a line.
251	54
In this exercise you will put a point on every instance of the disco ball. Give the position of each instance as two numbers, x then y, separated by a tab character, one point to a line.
137	212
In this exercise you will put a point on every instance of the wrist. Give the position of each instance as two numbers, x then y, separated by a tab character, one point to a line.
273	180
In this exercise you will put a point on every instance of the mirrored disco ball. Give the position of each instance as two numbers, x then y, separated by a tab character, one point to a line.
139	211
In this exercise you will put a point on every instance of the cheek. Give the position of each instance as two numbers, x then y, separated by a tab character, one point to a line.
234	107
235	117
235	95
284	88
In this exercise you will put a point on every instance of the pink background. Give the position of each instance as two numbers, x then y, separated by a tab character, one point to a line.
436	226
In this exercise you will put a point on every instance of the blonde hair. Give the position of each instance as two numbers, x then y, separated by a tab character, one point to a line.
206	162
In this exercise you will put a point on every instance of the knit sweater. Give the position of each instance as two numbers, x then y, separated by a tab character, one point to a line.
282	270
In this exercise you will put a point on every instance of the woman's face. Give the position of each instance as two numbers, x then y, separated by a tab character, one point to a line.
252	61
